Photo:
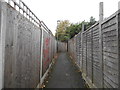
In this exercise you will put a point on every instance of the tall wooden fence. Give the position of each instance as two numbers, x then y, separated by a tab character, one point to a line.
96	52
62	46
27	46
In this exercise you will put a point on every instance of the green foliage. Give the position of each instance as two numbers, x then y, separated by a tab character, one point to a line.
61	31
66	30
91	22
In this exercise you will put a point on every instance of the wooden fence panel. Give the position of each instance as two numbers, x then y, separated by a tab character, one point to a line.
110	58
46	51
89	54
21	41
22	52
96	61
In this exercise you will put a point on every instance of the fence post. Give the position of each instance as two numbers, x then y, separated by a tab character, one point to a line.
3	15
118	37
81	64
92	53
118	5
100	42
41	55
86	52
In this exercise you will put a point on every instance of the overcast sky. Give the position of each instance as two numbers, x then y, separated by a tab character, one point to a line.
75	11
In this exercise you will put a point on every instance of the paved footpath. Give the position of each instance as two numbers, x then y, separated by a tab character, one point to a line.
65	74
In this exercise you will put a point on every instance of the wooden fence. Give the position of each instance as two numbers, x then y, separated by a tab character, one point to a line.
96	52
27	47
62	46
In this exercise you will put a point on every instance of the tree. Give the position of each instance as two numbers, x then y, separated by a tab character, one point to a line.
66	30
61	30
91	22
74	29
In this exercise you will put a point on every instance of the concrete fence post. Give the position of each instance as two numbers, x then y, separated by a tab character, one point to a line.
100	43
92	54
118	5
86	52
41	55
101	12
81	64
83	27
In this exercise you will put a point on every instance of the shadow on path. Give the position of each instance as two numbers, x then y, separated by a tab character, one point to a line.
65	74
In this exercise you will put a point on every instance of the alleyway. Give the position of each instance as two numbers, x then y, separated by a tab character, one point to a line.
65	74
